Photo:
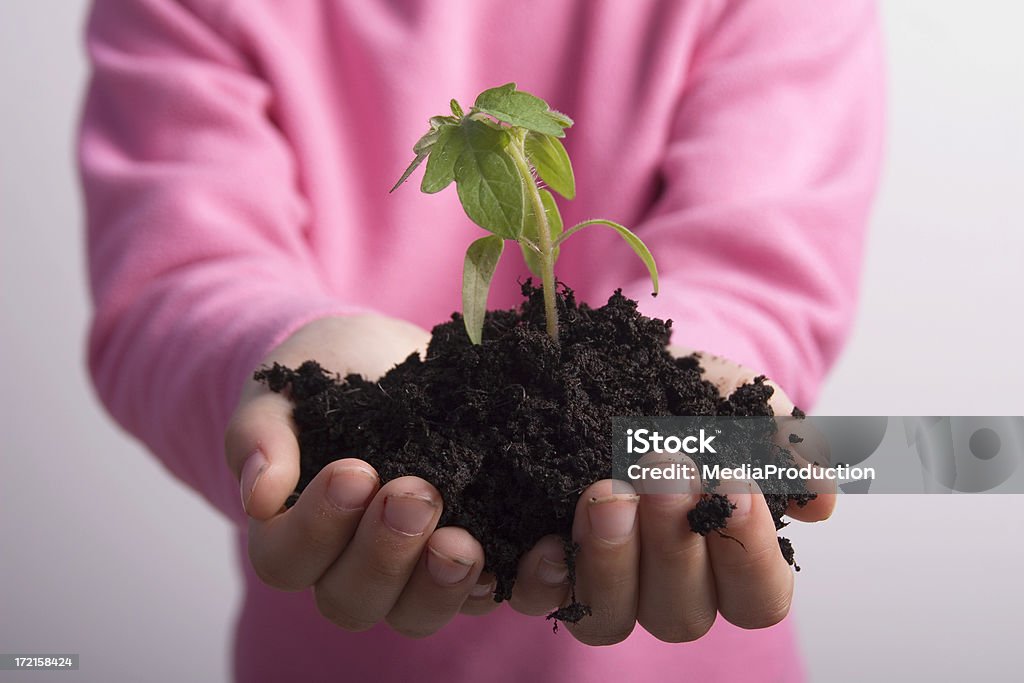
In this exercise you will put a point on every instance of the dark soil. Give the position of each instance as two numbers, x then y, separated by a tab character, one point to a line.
513	430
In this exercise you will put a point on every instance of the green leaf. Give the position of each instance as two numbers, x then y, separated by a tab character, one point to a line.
426	143
519	108
456	108
548	156
424	146
532	260
489	186
531	257
446	150
438	121
408	172
560	118
481	262
632	240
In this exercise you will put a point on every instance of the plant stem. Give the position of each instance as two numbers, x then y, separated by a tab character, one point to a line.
547	261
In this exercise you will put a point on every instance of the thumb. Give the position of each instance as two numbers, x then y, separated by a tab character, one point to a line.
263	452
728	376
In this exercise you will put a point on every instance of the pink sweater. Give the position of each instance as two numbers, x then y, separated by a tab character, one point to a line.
236	158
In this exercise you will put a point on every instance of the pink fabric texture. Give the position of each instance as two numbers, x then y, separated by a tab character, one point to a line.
236	158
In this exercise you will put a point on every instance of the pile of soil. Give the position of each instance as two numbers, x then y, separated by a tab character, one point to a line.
513	430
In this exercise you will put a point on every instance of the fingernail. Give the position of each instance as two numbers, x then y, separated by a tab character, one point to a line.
351	488
446	569
741	495
253	469
612	518
409	513
552	573
694	487
482	590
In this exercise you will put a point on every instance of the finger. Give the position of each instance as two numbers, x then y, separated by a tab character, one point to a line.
753	581
677	586
364	584
441	582
808	447
481	596
729	376
817	509
263	452
607	566
542	578
292	550
260	443
780	401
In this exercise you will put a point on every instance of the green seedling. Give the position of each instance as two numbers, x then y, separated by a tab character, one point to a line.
501	155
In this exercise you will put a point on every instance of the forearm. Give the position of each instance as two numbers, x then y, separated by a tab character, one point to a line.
198	264
768	179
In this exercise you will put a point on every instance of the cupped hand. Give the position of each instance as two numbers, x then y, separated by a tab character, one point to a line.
371	553
639	562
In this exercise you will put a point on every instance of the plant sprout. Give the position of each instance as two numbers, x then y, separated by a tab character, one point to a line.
500	154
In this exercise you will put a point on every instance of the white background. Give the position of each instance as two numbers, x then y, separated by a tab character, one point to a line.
104	555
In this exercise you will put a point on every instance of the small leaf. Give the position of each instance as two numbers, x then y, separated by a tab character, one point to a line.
548	156
438	121
489	187
532	260
478	269
426	143
519	108
560	118
456	108
424	146
408	172
632	240
445	152
531	257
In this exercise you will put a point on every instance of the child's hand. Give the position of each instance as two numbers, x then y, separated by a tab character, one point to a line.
640	563
370	552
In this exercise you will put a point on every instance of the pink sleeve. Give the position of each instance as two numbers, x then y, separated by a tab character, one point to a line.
197	258
768	180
